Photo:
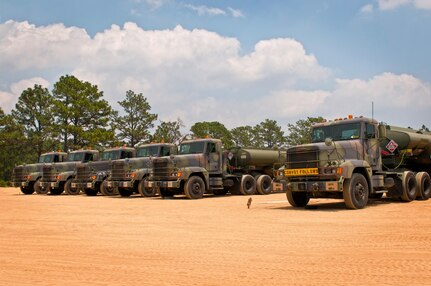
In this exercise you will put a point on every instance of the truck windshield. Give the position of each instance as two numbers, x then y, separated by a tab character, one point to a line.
75	157
111	155
192	148
148	151
336	132
47	158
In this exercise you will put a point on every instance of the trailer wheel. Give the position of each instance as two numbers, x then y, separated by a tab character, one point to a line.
91	192
409	187
125	192
27	191
68	188
424	185
264	185
297	199
38	189
108	191
248	185
194	188
146	192
355	192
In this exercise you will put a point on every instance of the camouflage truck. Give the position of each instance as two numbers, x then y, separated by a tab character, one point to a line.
129	175
90	177
356	159
27	176
57	177
202	166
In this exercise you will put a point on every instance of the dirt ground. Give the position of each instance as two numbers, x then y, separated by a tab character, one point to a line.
75	240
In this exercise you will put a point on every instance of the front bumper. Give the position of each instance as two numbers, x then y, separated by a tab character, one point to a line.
119	184
316	186
49	185
20	184
163	184
83	185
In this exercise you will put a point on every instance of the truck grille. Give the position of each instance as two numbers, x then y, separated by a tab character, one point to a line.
162	168
298	158
83	174
48	174
18	174
118	171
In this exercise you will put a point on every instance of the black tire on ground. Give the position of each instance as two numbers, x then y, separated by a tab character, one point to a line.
355	192
166	194
264	185
146	192
248	185
38	189
56	191
297	199
68	188
222	192
27	191
108	191
125	192
194	187
410	189
423	182
91	192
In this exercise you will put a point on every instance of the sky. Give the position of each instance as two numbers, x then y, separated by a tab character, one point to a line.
236	62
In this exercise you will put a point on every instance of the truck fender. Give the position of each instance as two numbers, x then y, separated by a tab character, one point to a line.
352	166
198	171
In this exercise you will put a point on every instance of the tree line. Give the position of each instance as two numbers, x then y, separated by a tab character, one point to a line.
75	115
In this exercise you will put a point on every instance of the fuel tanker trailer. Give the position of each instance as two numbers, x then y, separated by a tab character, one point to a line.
356	159
202	166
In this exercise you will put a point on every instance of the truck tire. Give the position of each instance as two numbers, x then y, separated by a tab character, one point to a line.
423	182
264	185
27	191
146	192
297	199
409	186
91	192
68	188
355	192
38	189
108	191
248	185
194	188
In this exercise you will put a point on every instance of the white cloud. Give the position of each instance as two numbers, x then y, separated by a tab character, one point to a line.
236	13
394	4
204	10
367	9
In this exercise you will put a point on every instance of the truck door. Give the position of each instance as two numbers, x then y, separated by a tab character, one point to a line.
214	157
372	146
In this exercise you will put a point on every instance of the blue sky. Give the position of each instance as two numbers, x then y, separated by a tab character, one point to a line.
237	62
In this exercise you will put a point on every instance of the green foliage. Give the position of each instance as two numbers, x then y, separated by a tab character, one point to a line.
269	134
34	112
168	132
82	115
134	126
299	133
243	136
213	129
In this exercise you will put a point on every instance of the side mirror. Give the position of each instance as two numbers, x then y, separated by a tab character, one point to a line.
382	131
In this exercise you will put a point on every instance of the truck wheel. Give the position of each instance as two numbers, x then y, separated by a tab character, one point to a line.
91	192
248	185
424	185
409	187
264	185
68	188
56	191
355	192
194	188
38	189
108	191
146	192
297	199
27	191
125	192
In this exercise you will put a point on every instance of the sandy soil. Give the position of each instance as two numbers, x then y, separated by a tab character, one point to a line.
69	240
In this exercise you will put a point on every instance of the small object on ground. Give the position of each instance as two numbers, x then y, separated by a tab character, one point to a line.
249	202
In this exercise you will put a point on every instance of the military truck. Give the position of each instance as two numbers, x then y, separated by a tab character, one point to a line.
27	176
90	177
356	159
129	175
202	166
57	177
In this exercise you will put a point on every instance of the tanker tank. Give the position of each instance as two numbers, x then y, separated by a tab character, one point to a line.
257	159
